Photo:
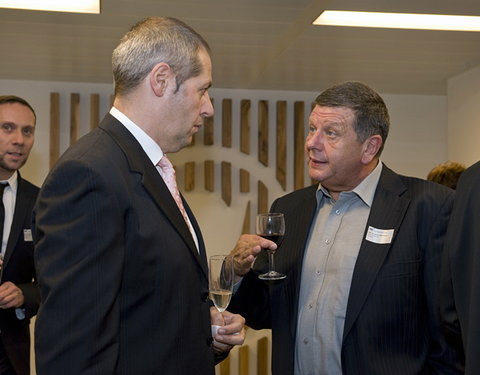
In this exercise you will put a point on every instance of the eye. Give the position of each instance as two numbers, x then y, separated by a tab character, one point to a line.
29	131
7	127
312	129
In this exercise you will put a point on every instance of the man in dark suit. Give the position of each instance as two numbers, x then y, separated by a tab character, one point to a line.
19	295
361	253
460	302
121	265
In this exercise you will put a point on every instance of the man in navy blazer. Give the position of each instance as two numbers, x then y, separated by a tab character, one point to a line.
123	279
19	295
361	253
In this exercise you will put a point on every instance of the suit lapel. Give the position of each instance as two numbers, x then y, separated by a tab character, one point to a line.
387	212
22	210
154	184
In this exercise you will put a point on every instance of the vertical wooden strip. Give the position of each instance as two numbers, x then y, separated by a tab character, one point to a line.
243	363
227	123
74	116
262	205
246	220
244	181
225	366
263	132
208	134
262	356
209	175
189	176
299	140
245	126
227	182
94	110
54	127
281	149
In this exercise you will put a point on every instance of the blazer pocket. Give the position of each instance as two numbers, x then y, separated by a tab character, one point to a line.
400	269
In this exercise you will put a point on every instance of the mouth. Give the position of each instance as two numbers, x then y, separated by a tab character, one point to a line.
15	155
197	127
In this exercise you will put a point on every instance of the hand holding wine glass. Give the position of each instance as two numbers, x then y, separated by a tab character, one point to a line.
272	227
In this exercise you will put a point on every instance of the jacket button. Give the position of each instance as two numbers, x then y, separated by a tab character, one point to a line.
204	297
209	341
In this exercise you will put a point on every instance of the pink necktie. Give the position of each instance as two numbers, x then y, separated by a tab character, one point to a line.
168	174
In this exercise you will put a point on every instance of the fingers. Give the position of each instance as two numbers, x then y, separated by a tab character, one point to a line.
10	296
247	249
230	334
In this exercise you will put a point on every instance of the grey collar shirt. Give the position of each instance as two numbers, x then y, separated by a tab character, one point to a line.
330	255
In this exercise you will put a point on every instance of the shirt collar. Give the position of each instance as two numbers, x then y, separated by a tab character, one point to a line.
13	181
365	190
151	148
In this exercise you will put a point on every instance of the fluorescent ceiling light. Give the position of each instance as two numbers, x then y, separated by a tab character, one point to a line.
399	20
74	6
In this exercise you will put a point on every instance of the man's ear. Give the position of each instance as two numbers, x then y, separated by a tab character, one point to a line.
371	147
160	76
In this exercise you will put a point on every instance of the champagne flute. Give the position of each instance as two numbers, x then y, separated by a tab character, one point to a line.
272	227
220	280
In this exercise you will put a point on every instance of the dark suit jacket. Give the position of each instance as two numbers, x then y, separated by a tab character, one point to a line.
19	269
461	271
391	323
124	289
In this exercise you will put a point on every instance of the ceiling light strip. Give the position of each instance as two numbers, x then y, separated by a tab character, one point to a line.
398	20
73	6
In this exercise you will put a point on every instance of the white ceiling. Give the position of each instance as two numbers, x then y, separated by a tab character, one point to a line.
257	44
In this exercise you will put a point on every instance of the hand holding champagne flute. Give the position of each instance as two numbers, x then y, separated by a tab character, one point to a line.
221	277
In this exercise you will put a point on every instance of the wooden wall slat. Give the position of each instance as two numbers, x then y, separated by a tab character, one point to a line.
299	141
262	356
245	126
54	127
243	360
94	110
209	175
262	205
246	219
189	176
281	149
227	123
208	134
225	366
244	181
74	116
227	182
263	132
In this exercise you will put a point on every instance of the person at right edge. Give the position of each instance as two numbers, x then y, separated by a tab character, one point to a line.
460	281
362	252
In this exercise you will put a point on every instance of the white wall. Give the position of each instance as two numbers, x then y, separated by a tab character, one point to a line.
464	117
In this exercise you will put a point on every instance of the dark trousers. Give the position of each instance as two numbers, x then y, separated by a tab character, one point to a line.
5	366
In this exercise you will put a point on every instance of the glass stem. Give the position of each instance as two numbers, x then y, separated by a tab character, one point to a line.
271	264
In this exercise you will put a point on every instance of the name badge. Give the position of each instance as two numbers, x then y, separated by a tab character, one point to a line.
381	236
27	235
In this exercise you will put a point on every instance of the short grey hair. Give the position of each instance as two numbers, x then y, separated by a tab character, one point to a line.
371	114
154	40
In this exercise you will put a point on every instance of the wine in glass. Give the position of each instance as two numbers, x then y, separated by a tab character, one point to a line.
272	227
220	279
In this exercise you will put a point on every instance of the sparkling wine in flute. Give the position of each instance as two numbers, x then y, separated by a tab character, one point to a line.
221	299
272	227
220	278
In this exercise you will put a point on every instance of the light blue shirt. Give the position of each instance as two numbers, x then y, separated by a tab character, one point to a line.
330	255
